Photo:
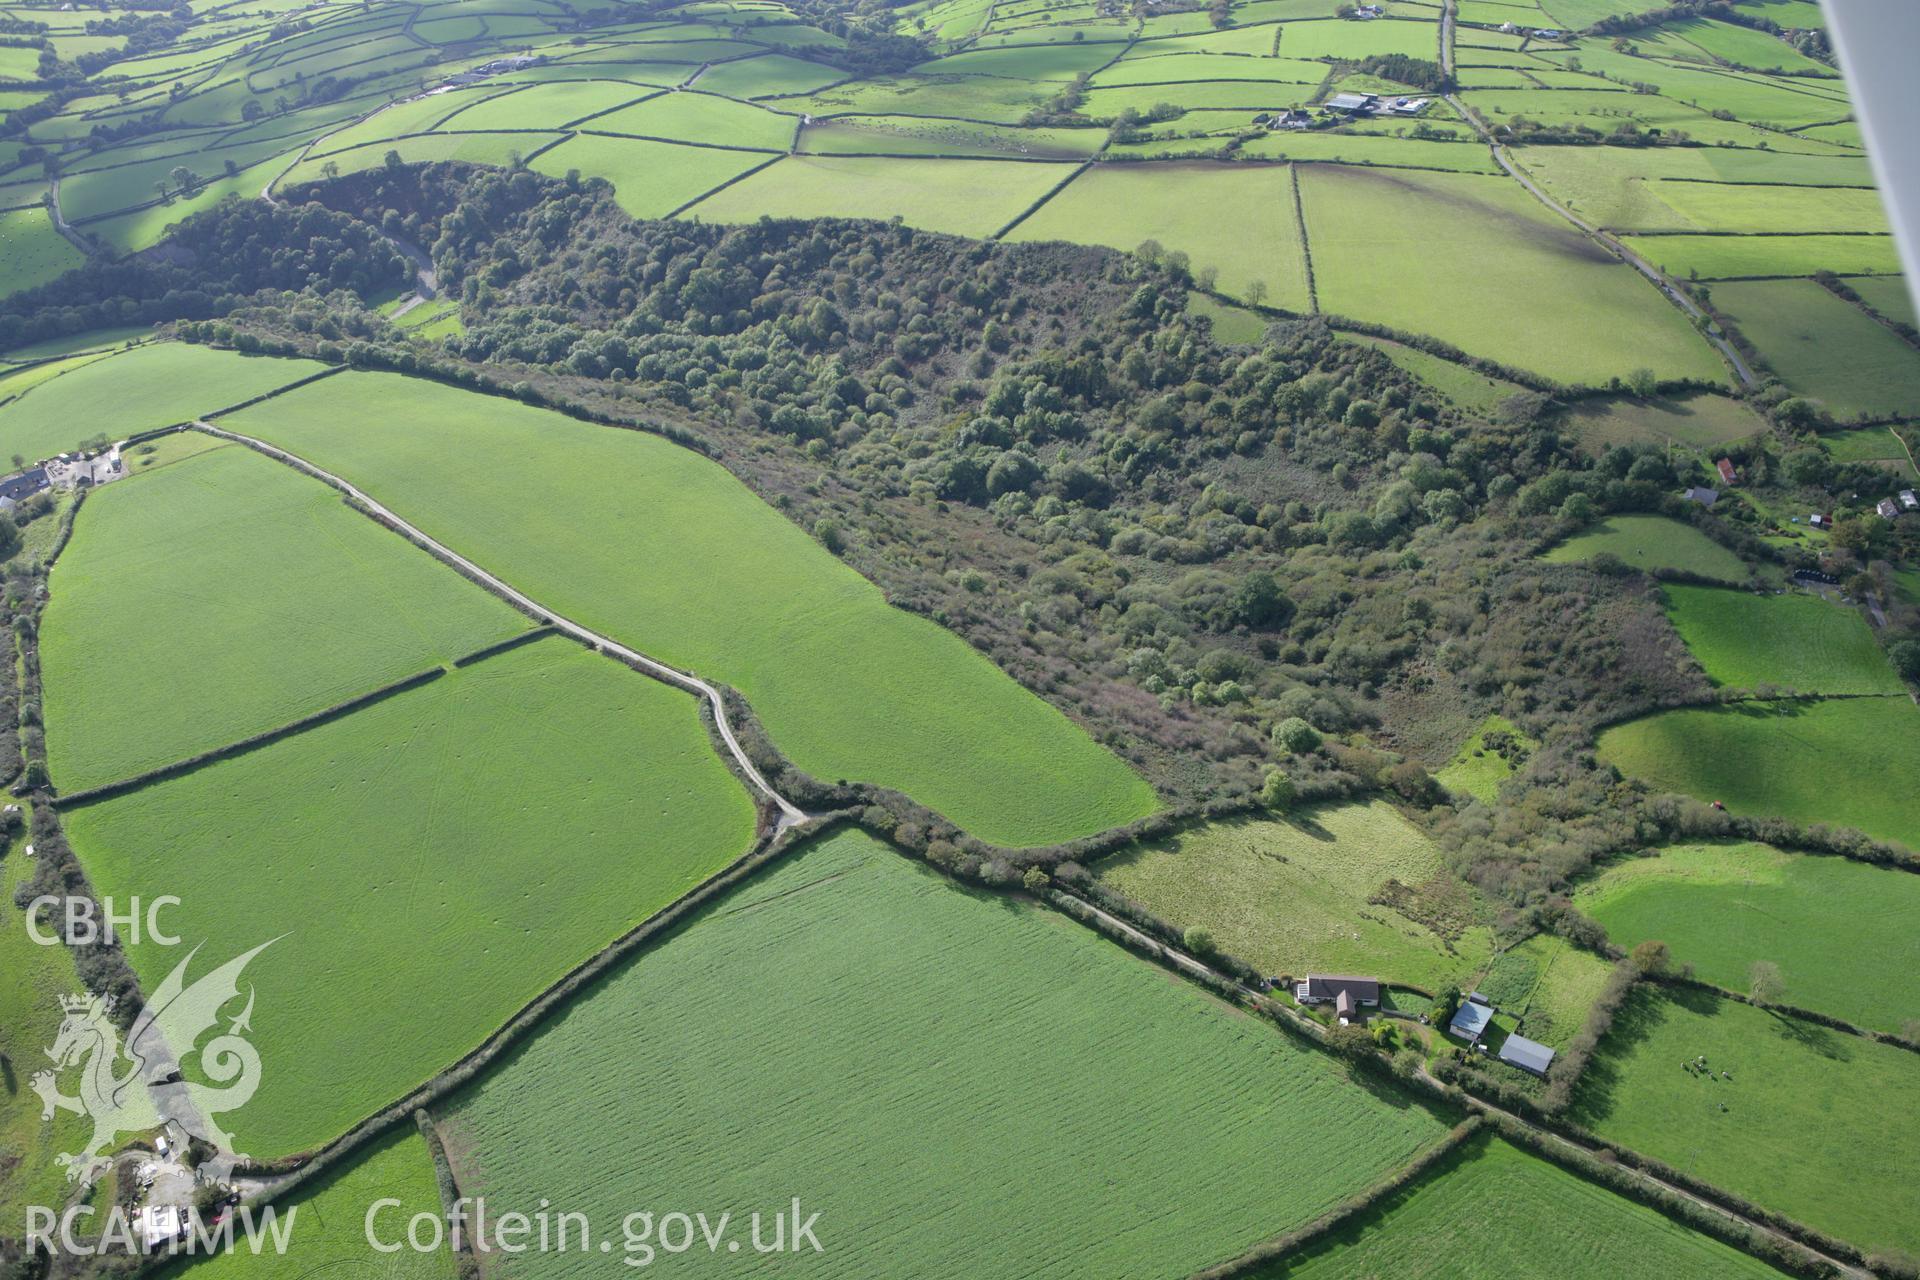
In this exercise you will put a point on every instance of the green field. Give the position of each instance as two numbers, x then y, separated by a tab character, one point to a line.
33	251
1803	1125
1889	296
1835	927
650	179
429	864
1468	388
1805	761
1488	1209
916	1017
1863	444
229	594
906	135
1548	985
1652	542
1477	770
30	1018
1802	642
1701	421
1734	257
702	117
960	197
150	386
1479	263
661	548
1294	895
1825	347
1231	324
1237	220
328	1236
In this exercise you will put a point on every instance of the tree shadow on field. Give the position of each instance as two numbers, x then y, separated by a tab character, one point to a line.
1812	1037
1604	1079
8	1080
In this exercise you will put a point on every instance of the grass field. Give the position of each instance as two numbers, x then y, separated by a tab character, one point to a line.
960	197
1231	324
33	251
1800	641
1863	444
1653	542
1550	986
428	864
1733	257
30	1019
703	117
1477	262
1477	770
150	386
1487	1208
846	685
1468	388
1802	1126
1700	420
1292	896
650	179
227	594
905	135
1807	762
1025	1050
328	1237
1825	347
1832	925
1889	296
1237	220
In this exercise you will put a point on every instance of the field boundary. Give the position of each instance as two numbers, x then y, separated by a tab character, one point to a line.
1383	1189
1306	248
790	814
284	1175
245	746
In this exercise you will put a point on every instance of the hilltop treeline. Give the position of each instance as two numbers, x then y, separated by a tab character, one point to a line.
205	267
1194	548
1185	544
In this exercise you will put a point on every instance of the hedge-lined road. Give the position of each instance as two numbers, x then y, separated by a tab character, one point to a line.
790	814
1201	969
1674	294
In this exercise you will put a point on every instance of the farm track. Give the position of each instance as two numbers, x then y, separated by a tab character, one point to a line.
1200	969
790	814
1503	157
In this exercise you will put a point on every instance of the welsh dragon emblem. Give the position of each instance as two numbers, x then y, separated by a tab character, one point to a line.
138	1086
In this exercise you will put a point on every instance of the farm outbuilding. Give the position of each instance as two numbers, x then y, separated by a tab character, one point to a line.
1705	497
1528	1055
1471	1021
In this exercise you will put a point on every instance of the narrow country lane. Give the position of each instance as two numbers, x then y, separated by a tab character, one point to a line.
1611	244
790	814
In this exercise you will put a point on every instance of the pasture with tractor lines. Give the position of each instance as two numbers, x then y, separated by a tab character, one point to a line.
1822	761
931	1018
229	594
428	864
1802	642
1652	542
1831	925
1311	893
664	550
1488	1209
1792	1115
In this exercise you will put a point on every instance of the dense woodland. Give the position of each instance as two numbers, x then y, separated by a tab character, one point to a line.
1233	564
